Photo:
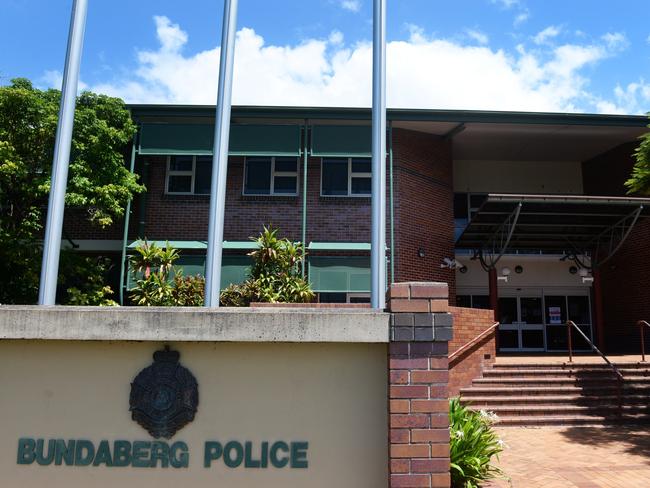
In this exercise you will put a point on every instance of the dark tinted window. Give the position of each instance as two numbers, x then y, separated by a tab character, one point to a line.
464	301
179	184
258	176
460	205
481	301
285	165
203	176
361	165
332	298
335	177
361	186
284	184
180	163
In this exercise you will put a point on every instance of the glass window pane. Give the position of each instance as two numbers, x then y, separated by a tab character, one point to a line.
579	309
460	205
286	165
556	338
284	184
481	301
203	176
507	310
332	298
531	310
532	339
555	310
258	176
508	339
180	163
358	299
335	177
362	165
361	186
464	301
475	201
179	184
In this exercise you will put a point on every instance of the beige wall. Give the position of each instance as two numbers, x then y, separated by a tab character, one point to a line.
518	177
333	396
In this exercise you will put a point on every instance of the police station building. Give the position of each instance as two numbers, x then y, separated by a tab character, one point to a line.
523	213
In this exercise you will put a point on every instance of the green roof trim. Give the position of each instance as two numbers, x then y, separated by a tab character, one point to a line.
339	246
341	140
197	244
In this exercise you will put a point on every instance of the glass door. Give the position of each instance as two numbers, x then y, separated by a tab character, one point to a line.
559	309
522	323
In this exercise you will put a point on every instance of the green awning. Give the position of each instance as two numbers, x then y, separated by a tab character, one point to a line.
340	274
341	140
234	269
339	246
198	139
197	244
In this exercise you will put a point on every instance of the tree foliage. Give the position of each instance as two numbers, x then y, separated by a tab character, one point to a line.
98	180
639	182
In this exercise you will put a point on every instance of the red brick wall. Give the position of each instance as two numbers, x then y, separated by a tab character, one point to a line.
626	277
423	207
468	324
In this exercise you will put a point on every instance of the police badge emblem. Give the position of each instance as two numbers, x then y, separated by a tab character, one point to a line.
164	396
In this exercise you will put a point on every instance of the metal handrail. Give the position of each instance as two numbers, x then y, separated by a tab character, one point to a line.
641	324
473	342
571	323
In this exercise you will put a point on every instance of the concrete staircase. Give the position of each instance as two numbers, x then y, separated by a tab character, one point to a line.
562	394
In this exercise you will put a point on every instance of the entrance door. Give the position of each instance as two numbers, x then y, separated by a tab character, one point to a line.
522	324
559	309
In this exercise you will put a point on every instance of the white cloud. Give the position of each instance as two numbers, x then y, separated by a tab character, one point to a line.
336	37
633	98
648	40
549	33
615	40
351	5
423	72
506	3
478	36
521	18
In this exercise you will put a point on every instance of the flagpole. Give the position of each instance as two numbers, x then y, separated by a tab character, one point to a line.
220	156
61	162
378	232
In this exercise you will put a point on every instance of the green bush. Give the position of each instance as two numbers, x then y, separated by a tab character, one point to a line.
155	264
275	276
188	291
473	445
84	280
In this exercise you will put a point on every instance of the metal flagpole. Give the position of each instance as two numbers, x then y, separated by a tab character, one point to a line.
54	223
220	156
378	237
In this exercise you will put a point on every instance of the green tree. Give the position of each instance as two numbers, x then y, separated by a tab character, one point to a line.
98	180
639	182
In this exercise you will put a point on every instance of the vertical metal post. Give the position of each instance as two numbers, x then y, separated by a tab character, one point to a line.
220	156
61	162
305	156
125	235
391	204
378	237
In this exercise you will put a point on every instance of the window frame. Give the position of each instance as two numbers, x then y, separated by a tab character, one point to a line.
274	173
351	175
170	173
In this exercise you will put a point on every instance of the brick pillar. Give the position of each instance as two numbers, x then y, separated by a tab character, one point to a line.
421	327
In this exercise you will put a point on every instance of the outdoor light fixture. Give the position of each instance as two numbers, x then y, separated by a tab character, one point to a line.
519	269
573	270
463	269
421	252
505	272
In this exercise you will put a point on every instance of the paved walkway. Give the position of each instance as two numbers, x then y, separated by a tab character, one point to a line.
575	457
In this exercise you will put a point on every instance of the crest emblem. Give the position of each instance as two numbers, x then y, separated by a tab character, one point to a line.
164	396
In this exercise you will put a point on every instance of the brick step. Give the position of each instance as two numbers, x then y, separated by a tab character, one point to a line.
560	420
639	365
562	381
594	391
590	373
484	401
563	410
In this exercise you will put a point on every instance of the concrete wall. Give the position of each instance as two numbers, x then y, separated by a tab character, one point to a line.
330	395
563	177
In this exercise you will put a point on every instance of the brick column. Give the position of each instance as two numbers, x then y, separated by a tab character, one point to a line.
419	373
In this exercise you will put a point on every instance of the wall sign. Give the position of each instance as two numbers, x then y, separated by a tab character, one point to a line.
164	398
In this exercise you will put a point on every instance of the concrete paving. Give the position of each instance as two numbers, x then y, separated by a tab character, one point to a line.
575	457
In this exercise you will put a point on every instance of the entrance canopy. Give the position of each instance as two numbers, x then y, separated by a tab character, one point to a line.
571	225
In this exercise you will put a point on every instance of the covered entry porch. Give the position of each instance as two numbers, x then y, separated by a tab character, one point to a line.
539	258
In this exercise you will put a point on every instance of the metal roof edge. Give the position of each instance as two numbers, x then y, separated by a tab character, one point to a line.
395	114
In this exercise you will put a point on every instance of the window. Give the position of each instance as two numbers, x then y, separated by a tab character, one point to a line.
473	301
465	206
271	176
346	177
189	175
342	297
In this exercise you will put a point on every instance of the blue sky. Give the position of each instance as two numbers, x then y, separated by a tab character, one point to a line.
550	55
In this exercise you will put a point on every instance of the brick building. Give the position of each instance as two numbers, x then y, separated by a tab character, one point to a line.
507	208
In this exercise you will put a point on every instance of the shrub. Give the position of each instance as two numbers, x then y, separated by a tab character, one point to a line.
84	277
155	264
473	445
188	291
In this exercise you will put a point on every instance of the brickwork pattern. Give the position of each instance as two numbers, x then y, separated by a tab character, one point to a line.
468	324
623	305
423	172
418	376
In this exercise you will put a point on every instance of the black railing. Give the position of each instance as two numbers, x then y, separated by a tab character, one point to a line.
571	324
